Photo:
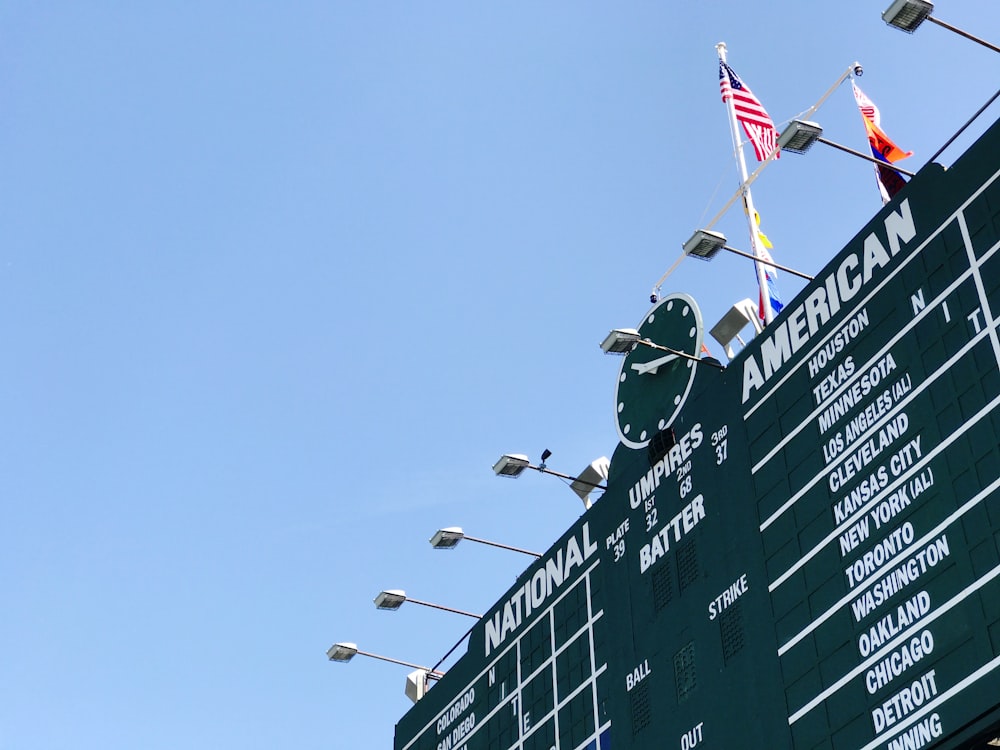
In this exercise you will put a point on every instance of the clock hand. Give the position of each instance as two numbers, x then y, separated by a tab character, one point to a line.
644	367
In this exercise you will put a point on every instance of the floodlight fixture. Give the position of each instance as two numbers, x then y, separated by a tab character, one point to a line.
799	136
511	465
417	682
447	538
705	244
392	599
344	652
450	537
514	465
620	341
624	340
907	15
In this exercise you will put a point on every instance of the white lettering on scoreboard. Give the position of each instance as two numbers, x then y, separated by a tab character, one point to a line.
903	703
805	321
728	597
693	737
451	723
680	452
673	531
637	675
550	575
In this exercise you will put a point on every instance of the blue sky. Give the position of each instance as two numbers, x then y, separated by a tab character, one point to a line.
280	282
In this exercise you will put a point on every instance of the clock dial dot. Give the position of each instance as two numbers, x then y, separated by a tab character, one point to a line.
621	407
677	400
692	332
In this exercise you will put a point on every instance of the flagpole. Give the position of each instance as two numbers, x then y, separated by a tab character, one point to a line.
747	199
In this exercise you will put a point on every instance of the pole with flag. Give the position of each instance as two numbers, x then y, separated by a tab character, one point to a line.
889	181
744	108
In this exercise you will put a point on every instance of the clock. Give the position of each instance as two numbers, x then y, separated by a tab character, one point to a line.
653	384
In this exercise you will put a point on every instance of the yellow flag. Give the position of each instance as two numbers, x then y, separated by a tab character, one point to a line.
763	237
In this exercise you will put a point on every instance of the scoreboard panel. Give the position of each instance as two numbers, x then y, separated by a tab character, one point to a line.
804	551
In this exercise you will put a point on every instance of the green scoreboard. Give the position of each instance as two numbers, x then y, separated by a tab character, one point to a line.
799	550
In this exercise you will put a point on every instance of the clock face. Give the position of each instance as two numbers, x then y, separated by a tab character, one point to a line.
653	383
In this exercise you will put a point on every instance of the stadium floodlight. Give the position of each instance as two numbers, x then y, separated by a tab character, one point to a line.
705	244
450	537
623	341
344	652
512	465
417	682
620	341
447	538
799	135
393	599
907	15
699	243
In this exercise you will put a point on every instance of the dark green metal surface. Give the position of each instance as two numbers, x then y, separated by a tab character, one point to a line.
814	563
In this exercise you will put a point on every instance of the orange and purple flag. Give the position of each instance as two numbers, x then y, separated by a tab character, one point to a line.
883	147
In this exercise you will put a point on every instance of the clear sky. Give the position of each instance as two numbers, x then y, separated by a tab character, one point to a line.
279	282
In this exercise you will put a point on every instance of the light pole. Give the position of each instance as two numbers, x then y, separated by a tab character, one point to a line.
907	15
450	537
393	599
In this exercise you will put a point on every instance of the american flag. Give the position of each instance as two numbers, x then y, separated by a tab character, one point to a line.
749	111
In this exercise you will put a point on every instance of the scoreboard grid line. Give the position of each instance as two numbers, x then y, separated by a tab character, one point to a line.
515	645
555	683
548	664
984	299
518	692
876	575
598	731
881	494
877	655
854	584
989	329
928	381
930	237
943	697
593	655
959	280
